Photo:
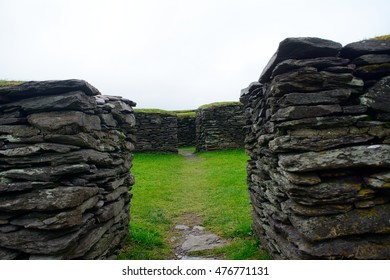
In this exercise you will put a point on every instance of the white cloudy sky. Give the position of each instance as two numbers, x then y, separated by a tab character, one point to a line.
169	54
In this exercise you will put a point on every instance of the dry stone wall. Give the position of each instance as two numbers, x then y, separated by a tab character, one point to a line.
186	130
220	127
156	132
318	136
64	176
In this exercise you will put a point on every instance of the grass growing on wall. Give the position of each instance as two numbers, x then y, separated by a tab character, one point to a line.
219	104
153	110
382	37
170	187
7	83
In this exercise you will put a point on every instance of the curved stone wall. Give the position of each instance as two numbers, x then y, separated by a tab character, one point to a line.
64	179
156	132
220	127
319	140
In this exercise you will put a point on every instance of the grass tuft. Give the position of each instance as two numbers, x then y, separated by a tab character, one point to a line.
153	110
6	83
219	104
382	37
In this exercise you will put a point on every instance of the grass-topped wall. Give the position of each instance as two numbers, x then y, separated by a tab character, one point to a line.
219	126
156	131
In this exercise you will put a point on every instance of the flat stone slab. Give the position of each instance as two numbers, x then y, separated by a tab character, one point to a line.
182	227
201	242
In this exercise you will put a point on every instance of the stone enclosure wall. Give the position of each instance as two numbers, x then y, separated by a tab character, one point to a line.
186	130
220	127
156	132
318	137
64	177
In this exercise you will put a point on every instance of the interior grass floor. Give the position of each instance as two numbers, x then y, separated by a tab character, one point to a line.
170	188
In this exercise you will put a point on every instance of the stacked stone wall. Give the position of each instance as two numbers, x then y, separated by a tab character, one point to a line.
156	132
64	176
186	131
318	137
220	127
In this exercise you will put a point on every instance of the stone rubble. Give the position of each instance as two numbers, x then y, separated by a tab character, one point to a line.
318	137
65	155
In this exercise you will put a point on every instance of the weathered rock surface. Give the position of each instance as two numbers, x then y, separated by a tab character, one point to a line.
318	139
64	176
365	47
351	157
300	48
377	97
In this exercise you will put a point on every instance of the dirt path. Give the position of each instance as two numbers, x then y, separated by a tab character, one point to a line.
189	237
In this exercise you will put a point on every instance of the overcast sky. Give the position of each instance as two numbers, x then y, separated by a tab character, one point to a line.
169	54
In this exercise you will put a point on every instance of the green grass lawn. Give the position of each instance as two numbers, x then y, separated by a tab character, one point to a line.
170	188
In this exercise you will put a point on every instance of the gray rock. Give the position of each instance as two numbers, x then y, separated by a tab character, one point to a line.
46	174
335	96
48	199
316	143
33	241
365	47
291	207
355	109
110	210
108	120
182	227
320	63
301	112
50	221
53	121
369	247
371	59
35	149
301	178
300	48
350	157
44	88
378	180
23	186
201	242
331	192
76	100
377	97
310	80
198	228
354	222
19	130
323	122
88	240
6	254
